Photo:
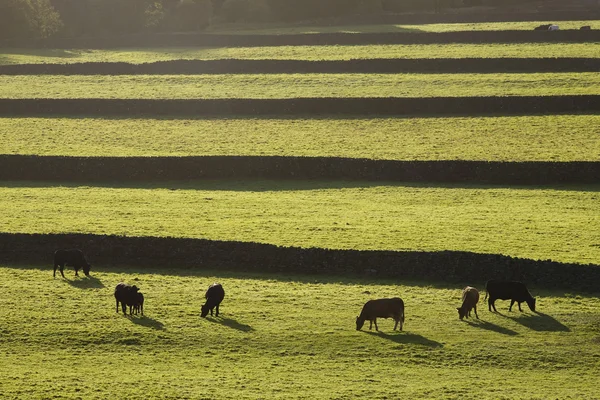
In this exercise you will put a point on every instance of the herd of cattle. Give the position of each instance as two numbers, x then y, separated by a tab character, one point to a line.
130	296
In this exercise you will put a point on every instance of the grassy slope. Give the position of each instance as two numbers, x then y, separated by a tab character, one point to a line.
144	55
557	224
298	85
289	338
532	138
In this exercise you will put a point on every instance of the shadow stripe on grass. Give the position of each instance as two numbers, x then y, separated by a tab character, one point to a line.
233	66
366	106
445	266
316	39
139	169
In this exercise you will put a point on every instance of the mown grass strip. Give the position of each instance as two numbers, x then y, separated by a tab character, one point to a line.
281	336
518	138
314	53
286	86
559	223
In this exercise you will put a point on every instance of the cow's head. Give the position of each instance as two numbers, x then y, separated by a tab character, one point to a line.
531	303
204	311
86	269
359	323
461	313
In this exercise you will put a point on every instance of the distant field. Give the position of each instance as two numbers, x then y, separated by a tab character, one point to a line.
283	337
297	85
530	138
444	27
145	55
562	224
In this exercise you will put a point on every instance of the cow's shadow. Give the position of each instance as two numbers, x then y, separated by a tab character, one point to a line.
89	282
478	323
231	323
147	322
538	322
405	338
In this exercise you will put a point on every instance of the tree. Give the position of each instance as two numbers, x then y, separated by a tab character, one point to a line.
28	19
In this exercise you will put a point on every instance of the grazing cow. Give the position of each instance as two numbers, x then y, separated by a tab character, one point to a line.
470	298
127	295
508	290
381	308
138	306
543	27
72	257
585	28
214	296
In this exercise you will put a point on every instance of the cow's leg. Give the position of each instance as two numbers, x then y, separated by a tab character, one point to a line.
76	271
475	308
55	266
117	306
511	304
490	304
62	267
370	324
217	311
519	303
211	312
396	325
142	309
376	327
124	308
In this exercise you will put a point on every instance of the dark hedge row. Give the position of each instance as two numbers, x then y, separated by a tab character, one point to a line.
371	106
447	266
317	39
132	169
477	65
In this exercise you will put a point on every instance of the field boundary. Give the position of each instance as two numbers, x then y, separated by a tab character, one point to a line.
313	39
447	266
235	66
141	169
360	106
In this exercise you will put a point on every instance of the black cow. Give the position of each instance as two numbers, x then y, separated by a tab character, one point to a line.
138	306
508	290
214	296
127	295
72	257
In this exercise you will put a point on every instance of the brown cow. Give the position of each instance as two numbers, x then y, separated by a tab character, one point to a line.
381	308
470	298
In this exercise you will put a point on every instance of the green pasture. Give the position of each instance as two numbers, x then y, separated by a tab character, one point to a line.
522	138
284	337
558	223
297	85
392	28
450	50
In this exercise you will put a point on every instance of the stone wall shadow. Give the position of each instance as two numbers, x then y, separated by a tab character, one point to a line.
539	322
231	323
405	338
491	327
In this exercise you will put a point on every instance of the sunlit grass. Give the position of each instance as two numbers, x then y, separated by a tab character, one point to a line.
297	85
528	138
562	224
450	50
283	337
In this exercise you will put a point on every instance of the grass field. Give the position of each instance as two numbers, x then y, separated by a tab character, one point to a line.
561	224
145	55
529	138
297	85
442	27
284	337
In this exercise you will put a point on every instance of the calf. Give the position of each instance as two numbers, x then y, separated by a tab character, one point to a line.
381	308
72	257
138	305
508	290
470	298
127	295
214	296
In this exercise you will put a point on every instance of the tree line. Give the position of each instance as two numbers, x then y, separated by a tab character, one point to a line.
74	18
